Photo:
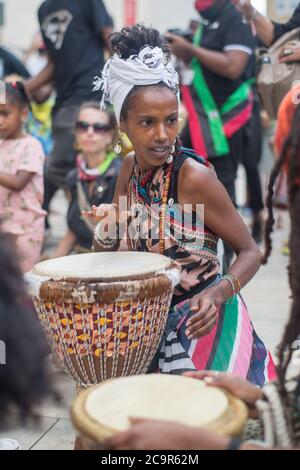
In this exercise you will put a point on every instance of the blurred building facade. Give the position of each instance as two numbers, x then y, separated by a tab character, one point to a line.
281	10
21	21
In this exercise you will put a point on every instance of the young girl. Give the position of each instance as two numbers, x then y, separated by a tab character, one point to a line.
21	178
93	181
208	325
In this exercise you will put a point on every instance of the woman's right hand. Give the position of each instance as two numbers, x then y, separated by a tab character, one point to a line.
98	213
236	386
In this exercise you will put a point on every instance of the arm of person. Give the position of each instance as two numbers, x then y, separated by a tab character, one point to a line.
229	64
102	22
147	434
105	35
15	182
14	65
264	27
65	245
45	76
199	185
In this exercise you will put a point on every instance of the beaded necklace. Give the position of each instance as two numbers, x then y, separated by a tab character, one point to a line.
140	188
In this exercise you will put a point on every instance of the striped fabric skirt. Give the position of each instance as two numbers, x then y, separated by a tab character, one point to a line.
232	346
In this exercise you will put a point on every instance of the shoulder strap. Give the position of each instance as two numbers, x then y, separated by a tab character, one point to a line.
179	160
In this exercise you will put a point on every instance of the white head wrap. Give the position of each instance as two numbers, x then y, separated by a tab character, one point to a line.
120	76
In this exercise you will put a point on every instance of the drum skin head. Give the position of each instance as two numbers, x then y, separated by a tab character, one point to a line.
103	410
110	266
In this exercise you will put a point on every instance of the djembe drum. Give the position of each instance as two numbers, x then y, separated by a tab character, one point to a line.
156	396
103	313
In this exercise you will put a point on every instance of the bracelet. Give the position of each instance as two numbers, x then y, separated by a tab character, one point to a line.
234	444
227	277
234	278
106	243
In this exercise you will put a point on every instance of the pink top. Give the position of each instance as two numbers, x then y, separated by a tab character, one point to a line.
21	212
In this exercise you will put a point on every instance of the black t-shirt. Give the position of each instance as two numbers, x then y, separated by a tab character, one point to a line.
71	31
103	194
294	22
9	65
227	32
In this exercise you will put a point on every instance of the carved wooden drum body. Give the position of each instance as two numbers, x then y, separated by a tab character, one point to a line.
103	313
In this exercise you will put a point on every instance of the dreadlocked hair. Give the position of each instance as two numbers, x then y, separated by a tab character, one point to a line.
130	41
290	150
16	94
24	379
292	330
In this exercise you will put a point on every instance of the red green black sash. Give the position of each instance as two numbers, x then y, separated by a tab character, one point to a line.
211	127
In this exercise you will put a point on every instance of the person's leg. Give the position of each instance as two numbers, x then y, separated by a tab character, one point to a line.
186	137
49	191
226	169
62	158
29	247
250	158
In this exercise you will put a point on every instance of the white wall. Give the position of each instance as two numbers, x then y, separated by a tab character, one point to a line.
21	21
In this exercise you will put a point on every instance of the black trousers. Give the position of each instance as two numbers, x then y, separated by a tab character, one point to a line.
250	158
245	148
62	158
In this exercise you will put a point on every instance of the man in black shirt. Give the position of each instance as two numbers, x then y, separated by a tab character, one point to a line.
10	65
75	33
219	100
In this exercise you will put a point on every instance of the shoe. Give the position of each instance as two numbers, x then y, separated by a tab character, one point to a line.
9	444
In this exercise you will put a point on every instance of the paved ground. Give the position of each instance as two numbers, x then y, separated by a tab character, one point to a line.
267	297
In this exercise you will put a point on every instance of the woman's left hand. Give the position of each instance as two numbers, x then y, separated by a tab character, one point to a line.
205	317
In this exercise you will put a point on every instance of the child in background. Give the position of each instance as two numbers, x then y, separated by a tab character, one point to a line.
21	178
39	122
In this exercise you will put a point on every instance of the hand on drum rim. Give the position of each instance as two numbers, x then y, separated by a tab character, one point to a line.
238	387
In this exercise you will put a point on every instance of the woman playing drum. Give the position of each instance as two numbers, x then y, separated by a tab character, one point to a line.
208	326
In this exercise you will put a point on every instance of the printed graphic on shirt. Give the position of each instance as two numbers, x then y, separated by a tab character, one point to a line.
56	25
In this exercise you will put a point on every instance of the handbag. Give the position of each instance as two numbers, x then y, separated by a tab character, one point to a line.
275	79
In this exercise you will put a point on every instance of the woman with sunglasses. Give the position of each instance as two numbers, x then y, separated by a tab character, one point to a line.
93	180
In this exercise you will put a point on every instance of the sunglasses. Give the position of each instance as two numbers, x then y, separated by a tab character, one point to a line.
98	128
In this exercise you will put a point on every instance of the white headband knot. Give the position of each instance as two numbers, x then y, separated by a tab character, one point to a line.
120	76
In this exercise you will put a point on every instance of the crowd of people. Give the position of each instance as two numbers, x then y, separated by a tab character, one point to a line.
54	135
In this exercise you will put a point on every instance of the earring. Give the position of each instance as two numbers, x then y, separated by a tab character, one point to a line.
173	150
118	148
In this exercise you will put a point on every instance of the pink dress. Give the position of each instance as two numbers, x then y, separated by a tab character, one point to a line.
21	212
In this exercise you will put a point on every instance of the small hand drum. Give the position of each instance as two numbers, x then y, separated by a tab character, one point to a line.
104	410
103	313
